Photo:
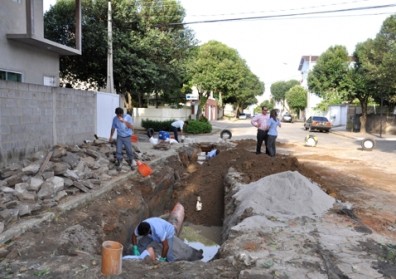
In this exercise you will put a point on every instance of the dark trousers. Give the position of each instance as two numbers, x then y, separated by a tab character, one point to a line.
174	130
262	136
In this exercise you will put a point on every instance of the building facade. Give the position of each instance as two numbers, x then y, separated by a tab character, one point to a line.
26	55
307	63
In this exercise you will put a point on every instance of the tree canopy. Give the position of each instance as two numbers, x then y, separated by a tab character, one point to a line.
279	89
369	75
149	54
217	69
296	98
330	78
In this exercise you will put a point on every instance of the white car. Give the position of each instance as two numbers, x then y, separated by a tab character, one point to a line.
242	116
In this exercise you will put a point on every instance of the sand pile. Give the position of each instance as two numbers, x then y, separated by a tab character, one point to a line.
274	200
285	195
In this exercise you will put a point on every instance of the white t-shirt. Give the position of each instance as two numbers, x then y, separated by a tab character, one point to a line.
178	124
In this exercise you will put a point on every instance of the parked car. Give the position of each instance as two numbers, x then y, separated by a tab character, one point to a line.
319	123
242	116
287	117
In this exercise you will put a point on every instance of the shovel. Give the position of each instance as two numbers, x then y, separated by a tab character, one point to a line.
143	168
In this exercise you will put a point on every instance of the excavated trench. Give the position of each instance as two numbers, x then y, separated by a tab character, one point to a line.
297	246
174	181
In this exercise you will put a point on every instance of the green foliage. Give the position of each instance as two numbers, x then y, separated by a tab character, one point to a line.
296	98
218	69
198	127
270	104
331	74
149	55
279	89
157	125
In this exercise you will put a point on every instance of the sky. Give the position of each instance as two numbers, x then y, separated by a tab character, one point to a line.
272	47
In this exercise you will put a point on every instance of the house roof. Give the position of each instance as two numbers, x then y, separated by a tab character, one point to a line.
310	58
44	44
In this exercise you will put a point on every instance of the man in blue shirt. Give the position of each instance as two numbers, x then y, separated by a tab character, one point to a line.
124	125
159	230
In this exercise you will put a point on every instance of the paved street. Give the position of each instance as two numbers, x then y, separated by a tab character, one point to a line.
294	133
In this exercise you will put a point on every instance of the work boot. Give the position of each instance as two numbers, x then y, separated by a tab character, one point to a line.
117	163
132	167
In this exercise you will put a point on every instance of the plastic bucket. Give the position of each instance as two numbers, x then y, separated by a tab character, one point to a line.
134	138
111	258
144	169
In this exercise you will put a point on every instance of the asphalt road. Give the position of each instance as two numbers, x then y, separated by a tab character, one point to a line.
295	133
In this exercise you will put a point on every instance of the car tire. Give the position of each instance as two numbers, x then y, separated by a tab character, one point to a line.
225	134
150	132
367	144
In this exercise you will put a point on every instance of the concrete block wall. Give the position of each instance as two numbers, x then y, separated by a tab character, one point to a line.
35	117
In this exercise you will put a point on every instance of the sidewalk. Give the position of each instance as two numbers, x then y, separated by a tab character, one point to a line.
341	130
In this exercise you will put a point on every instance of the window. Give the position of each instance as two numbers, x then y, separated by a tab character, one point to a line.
49	80
4	75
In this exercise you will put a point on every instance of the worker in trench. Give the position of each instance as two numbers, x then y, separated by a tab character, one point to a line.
161	235
158	230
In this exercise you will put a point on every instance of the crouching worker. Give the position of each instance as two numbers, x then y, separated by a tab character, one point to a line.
159	231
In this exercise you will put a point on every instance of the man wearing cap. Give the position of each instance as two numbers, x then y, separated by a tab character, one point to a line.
158	230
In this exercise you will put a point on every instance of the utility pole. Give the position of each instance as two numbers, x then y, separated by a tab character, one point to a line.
110	79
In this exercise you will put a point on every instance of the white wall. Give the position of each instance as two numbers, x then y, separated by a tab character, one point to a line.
106	103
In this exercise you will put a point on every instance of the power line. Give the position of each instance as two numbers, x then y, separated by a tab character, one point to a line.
283	10
285	15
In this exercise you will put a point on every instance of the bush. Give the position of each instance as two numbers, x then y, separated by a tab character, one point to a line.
202	126
198	127
157	125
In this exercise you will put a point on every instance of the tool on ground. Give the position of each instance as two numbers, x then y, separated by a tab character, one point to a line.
143	168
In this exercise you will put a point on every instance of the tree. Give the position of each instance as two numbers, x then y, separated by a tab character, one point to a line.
245	95
217	69
330	78
279	89
296	98
149	54
373	76
385	45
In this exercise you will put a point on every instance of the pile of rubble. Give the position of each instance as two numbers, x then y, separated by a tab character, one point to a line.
43	180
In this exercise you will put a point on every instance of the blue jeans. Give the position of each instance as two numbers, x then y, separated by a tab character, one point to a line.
124	141
271	143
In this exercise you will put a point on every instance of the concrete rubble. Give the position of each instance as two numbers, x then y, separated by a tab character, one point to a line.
44	179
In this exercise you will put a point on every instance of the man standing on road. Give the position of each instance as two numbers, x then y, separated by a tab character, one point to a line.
261	122
124	125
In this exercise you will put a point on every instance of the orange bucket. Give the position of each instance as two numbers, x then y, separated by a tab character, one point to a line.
144	169
134	138
111	258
